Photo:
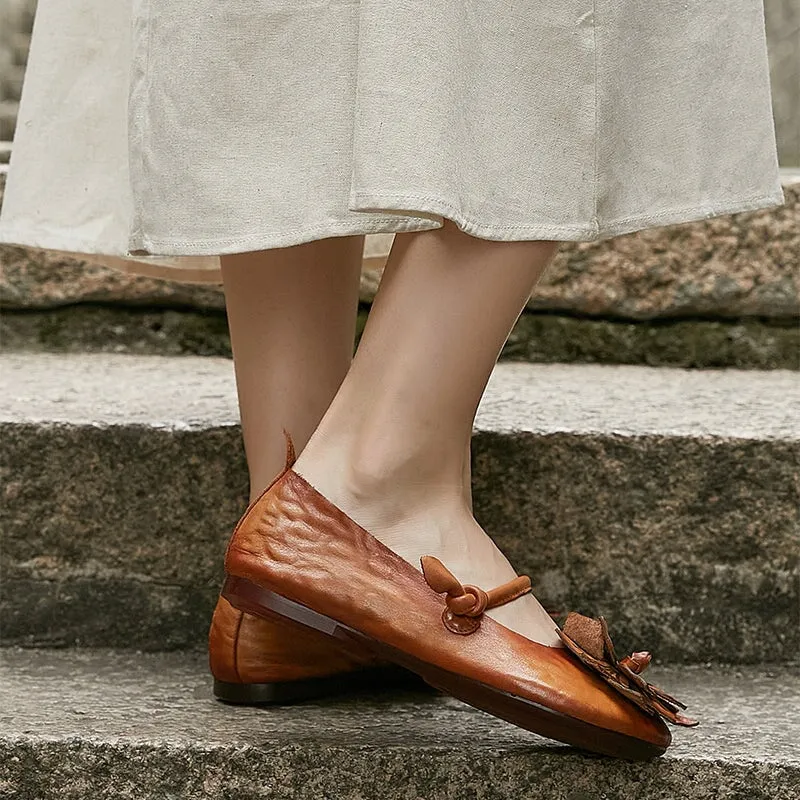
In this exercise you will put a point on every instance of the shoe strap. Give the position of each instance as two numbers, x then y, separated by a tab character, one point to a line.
466	600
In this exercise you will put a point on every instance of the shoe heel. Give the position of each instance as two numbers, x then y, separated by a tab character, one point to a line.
364	681
254	599
257	694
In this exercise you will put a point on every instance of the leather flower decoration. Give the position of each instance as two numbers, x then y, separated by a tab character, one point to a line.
589	640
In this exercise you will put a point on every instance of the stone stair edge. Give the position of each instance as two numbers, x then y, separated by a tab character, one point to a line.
121	724
661	528
536	337
184	393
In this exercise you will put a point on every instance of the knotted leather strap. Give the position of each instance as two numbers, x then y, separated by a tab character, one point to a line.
464	603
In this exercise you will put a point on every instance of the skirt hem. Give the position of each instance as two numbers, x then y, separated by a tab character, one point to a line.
146	245
148	249
362	201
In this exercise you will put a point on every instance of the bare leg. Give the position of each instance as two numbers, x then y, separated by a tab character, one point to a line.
292	318
390	451
467	479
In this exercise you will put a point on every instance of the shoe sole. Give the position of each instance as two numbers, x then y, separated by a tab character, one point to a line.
254	599
285	692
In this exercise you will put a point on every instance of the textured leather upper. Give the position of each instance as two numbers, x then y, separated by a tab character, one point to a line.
296	543
243	648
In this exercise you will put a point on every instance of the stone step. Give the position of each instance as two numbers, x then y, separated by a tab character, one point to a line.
665	499
101	724
536	338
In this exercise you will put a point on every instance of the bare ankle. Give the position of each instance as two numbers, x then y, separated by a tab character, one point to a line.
376	461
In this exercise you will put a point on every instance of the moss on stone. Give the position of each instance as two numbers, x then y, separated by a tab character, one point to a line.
746	344
100	329
549	338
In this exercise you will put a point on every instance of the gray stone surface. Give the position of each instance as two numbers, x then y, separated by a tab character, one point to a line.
732	266
547	338
729	267
665	499
196	393
109	725
100	329
701	344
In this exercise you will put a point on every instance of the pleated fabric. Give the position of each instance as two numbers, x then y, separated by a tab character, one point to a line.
164	133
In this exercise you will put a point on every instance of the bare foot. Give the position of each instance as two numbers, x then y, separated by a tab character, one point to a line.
444	528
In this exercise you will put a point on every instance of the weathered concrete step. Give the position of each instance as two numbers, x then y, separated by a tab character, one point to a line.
80	724
665	499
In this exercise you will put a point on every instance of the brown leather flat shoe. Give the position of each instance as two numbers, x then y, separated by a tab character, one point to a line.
261	661
297	555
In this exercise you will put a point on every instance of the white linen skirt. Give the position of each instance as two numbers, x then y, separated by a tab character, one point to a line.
161	134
